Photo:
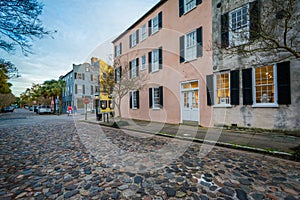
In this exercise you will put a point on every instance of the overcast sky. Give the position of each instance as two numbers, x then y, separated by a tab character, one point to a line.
83	26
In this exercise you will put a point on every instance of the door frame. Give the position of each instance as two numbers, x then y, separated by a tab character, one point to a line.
182	97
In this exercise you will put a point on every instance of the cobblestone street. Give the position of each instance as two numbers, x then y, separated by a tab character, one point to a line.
56	157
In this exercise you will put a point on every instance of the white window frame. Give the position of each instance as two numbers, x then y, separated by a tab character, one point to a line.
134	39
191	46
227	101
155	26
272	104
118	50
143	62
134	99
133	68
79	89
143	32
155	105
239	34
189	5
155	60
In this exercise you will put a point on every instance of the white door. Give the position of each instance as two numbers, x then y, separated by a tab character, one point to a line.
190	105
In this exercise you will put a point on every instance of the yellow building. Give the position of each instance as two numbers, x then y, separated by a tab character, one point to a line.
104	101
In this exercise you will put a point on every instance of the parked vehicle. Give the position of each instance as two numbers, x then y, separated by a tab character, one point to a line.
9	109
44	109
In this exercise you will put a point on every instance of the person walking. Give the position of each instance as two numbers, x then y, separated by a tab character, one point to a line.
70	110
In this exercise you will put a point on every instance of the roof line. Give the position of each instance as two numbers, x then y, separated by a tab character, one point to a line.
161	2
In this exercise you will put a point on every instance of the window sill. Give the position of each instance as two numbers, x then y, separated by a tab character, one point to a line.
133	46
152	72
265	105
191	60
222	106
155	108
154	33
187	12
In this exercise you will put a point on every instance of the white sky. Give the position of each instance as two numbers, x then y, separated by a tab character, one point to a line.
83	26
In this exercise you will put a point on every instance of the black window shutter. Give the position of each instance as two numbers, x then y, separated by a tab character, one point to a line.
199	42
224	30
235	87
130	100
130	67
160	20
149	27
130	40
182	46
137	99
115	51
181	7
210	89
160	58
284	83
137	66
150	98
247	86
150	62
137	36
254	20
198	2
83	89
82	76
116	74
121	48
161	96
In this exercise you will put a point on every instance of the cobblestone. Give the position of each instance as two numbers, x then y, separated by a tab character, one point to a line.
75	160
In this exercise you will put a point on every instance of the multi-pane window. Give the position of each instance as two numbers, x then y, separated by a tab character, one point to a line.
239	18
134	100
239	26
79	89
133	68
264	84
118	49
189	5
222	88
134	39
155	60
143	32
79	76
156	98
191	46
143	62
155	24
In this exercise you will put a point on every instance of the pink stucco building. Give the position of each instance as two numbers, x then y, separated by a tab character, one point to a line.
171	48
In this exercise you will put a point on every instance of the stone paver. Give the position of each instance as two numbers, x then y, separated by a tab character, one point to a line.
75	160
